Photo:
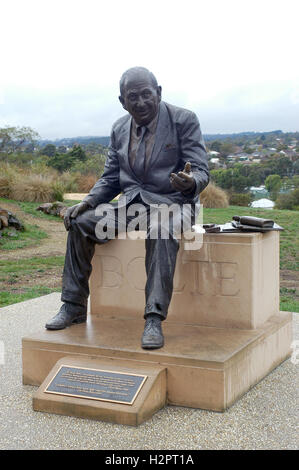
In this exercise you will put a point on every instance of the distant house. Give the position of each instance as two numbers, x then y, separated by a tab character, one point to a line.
258	191
232	157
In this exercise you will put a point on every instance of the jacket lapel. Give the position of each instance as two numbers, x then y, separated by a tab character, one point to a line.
126	132
162	132
126	135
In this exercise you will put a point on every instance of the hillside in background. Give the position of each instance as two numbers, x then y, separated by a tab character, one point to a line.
104	140
70	141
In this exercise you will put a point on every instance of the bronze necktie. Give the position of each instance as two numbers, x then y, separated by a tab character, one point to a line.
139	163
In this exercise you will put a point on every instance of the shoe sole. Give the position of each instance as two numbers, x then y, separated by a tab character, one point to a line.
78	320
152	346
81	319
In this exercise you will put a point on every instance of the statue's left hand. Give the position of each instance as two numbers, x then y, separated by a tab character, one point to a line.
73	211
183	181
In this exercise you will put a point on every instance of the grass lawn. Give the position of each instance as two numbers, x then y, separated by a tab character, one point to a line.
9	298
30	208
12	239
22	279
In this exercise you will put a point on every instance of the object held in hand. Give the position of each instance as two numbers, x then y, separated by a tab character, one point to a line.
183	181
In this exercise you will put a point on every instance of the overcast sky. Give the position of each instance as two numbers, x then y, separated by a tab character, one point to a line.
234	62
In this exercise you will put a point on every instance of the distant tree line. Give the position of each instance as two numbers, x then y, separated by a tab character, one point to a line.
239	177
19	146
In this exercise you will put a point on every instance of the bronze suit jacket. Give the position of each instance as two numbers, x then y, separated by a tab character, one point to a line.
178	140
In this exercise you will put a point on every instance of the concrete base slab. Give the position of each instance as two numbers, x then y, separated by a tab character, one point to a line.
151	397
207	367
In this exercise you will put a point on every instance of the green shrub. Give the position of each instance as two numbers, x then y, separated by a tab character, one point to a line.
58	190
70	181
288	201
93	165
240	199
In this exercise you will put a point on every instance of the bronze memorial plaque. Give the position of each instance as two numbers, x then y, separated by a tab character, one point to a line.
96	384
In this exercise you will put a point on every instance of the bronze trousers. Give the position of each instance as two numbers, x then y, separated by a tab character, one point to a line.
87	230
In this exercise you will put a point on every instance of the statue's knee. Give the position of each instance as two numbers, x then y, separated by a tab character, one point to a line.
160	231
76	222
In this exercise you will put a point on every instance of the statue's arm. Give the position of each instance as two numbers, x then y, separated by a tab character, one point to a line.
108	186
193	150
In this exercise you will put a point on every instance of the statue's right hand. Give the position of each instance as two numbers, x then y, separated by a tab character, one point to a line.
73	211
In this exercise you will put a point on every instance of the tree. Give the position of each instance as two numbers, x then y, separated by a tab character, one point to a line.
13	138
296	166
77	153
273	184
216	146
295	181
248	149
29	148
62	149
226	148
281	166
48	150
230	179
66	161
61	161
239	182
288	201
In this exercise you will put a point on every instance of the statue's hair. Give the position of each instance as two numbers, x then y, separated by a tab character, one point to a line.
133	72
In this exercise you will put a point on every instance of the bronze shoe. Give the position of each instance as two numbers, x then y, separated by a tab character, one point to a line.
152	337
68	315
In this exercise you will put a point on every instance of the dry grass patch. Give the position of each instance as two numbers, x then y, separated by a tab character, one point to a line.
31	185
86	182
214	197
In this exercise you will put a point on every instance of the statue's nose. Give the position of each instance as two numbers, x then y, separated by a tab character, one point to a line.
140	102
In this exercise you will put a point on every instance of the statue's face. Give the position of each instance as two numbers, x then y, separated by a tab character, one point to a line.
141	99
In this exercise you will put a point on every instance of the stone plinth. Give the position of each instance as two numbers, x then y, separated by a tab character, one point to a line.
232	281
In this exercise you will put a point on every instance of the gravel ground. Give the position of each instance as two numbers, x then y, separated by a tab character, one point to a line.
264	418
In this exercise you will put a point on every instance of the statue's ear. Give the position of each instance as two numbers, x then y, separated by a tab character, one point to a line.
159	92
121	99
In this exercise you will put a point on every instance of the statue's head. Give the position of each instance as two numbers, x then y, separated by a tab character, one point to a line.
140	94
